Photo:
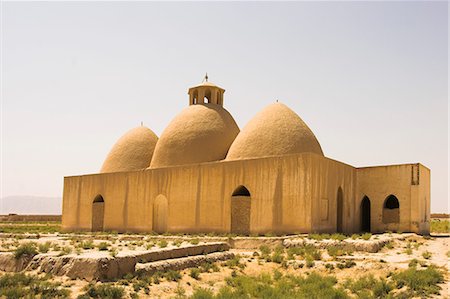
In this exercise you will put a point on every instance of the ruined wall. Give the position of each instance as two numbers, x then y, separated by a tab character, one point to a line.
409	183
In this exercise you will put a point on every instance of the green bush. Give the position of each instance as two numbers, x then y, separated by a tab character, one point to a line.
366	236
103	246
265	250
172	275
277	286
440	226
27	249
87	244
20	285
44	247
369	287
195	273
103	291
426	255
201	293
419	282
162	244
194	241
346	264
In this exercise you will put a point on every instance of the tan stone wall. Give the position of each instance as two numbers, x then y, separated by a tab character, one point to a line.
327	176
199	196
293	194
409	183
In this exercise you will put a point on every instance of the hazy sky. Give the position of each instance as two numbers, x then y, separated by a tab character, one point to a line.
369	78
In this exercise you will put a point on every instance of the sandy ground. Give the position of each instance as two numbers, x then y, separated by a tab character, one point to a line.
379	264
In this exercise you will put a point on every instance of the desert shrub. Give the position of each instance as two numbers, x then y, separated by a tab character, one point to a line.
329	266
87	244
44	247
162	243
201	293
339	237
389	245
420	283
20	285
335	251
366	236
194	241
27	249
426	255
102	291
65	250
208	267
413	263
346	264
235	262
177	243
279	286
369	287
309	262
278	255
265	250
113	251
172	275
195	273
103	246
440	226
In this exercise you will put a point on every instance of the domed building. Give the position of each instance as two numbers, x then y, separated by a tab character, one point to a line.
203	174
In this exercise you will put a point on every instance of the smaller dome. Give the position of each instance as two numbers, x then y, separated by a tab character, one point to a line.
275	131
133	151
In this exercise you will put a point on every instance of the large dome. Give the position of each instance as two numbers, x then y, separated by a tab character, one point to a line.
200	133
133	151
275	131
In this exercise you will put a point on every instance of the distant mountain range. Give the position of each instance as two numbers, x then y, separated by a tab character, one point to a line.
30	205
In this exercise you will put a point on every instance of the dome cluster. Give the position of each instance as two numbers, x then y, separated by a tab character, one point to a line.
206	132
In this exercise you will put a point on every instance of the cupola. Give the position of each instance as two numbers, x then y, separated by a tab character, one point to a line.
206	92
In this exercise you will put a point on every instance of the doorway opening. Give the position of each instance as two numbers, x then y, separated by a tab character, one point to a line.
98	213
339	210
240	211
365	215
160	207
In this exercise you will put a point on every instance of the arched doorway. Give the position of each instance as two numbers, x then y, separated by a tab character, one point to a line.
240	211
391	210
98	213
365	214
339	210
160	207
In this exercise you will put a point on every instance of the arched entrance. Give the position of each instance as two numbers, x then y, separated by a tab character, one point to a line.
160	207
339	210
365	214
391	210
98	213
240	211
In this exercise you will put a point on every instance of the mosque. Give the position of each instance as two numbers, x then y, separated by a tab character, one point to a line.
204	174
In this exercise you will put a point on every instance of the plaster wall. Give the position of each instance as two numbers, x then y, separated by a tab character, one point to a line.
327	176
288	194
199	196
409	183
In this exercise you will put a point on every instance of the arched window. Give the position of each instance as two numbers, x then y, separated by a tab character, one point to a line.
240	210
391	209
241	191
98	213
